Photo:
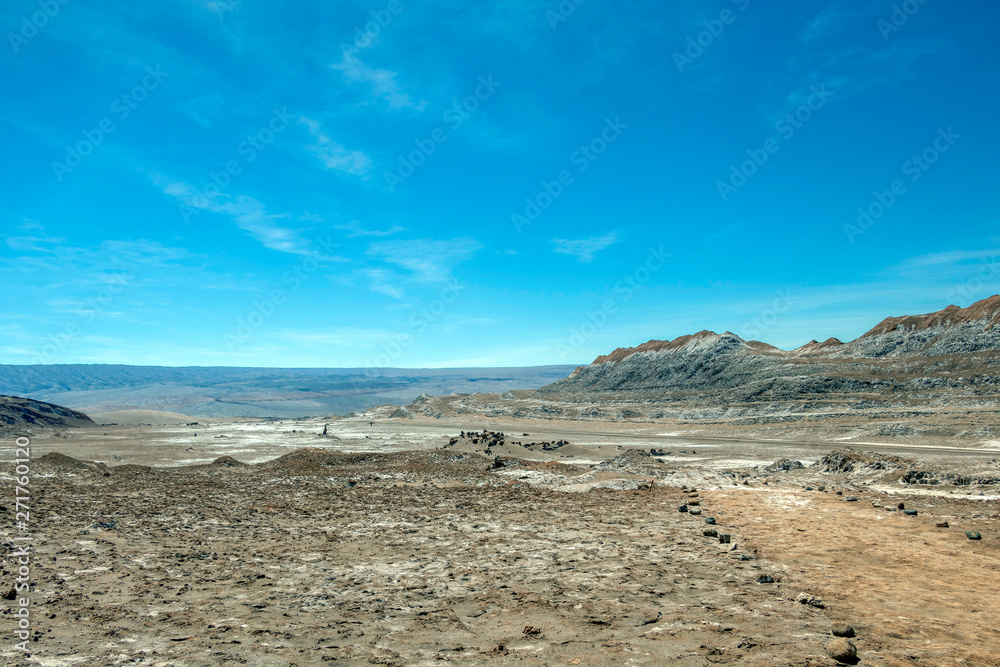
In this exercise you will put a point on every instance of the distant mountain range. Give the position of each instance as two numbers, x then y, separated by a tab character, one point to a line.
254	392
951	355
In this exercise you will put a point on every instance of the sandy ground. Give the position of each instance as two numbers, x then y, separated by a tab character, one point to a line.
408	554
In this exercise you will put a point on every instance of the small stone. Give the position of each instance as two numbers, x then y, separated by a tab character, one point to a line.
842	650
765	579
695	512
745	557
851	499
973	535
910	512
694	503
710	520
890	509
901	506
842	630
943	524
840	493
725	538
811	600
711	532
809	488
682	508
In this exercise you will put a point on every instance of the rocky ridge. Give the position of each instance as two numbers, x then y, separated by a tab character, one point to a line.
956	351
17	414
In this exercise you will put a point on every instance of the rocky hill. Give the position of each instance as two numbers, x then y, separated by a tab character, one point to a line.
950	354
18	413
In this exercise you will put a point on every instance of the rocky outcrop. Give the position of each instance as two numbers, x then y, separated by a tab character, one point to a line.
953	330
18	413
924	355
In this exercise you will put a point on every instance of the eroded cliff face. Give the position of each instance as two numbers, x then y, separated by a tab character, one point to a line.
951	355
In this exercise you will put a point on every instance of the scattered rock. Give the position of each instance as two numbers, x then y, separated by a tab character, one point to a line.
943	524
851	499
725	538
710	520
784	465
765	579
711	532
682	508
910	512
843	650
842	630
811	600
973	535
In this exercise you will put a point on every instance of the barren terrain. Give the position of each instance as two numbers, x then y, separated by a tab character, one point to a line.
427	546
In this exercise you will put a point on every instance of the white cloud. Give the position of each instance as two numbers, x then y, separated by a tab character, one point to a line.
827	21
954	257
428	259
338	337
357	230
584	249
382	82
383	282
249	214
332	154
35	243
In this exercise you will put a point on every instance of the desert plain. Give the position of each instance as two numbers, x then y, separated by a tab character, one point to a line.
416	541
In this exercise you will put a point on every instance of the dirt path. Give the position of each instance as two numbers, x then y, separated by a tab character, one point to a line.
918	594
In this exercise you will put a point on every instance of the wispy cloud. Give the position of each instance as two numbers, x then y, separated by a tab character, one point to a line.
428	259
357	230
383	282
339	337
849	72
828	21
584	249
953	257
248	213
35	243
332	154
382	82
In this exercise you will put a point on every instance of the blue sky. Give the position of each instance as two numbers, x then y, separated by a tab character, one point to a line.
427	183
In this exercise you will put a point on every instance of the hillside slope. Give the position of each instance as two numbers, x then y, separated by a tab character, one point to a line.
17	413
950	355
